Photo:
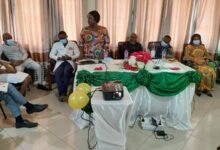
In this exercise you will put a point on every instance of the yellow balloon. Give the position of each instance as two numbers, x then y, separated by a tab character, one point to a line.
84	87
78	100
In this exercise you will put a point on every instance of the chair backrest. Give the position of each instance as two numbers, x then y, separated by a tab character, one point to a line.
4	57
120	49
153	44
183	52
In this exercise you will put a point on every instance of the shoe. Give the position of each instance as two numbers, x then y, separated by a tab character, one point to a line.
209	94
61	98
36	108
26	124
198	93
42	87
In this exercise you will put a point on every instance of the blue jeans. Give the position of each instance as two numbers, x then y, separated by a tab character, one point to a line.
62	77
13	99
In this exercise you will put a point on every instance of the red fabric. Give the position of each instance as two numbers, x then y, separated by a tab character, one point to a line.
140	57
129	67
175	68
98	68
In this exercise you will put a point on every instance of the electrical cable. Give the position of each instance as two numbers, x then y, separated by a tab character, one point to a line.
140	117
88	142
106	69
165	136
90	120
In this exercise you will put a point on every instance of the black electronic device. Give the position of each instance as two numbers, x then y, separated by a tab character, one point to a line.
112	90
87	62
156	67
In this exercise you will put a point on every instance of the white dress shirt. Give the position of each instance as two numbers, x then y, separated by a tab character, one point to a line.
59	50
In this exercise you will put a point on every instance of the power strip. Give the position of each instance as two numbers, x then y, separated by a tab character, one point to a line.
150	124
146	124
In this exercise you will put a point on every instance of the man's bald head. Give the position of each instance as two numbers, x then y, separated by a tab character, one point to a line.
133	38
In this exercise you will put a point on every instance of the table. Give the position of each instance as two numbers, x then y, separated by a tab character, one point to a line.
111	119
175	110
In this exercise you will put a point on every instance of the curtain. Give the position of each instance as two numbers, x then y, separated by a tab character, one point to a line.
115	16
72	18
148	19
29	26
180	23
55	20
65	15
156	18
6	25
37	23
208	23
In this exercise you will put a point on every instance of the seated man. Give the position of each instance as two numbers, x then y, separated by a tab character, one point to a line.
13	99
130	46
8	74
64	52
19	58
161	47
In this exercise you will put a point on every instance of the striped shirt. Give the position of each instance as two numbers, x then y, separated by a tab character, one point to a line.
15	52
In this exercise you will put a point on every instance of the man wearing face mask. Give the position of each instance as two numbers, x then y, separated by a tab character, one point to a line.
197	55
130	46
164	45
64	52
18	58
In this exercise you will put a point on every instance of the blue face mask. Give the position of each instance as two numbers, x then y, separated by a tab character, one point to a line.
10	42
163	44
64	41
196	42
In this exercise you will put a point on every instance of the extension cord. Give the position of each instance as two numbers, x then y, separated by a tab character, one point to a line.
160	133
146	124
151	124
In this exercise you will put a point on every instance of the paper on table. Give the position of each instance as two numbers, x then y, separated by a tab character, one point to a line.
3	87
16	77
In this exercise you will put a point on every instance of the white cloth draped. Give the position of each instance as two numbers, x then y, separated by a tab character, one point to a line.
175	110
111	121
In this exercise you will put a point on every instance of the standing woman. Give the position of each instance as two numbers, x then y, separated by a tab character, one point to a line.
197	54
94	39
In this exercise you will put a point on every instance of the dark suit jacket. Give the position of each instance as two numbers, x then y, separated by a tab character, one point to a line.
130	48
159	48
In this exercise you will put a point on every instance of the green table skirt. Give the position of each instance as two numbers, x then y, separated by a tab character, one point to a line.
162	84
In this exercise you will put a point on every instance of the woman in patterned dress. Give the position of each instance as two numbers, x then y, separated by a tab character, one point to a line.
198	55
94	39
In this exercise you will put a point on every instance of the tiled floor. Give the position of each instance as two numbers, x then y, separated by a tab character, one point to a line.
57	132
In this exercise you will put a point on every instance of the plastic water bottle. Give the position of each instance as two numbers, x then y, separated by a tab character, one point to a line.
126	54
105	54
164	54
152	53
152	50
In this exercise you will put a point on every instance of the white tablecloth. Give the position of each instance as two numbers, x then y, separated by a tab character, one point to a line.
176	110
111	120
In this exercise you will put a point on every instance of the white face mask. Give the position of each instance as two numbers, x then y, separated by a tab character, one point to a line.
10	42
196	42
164	44
64	41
